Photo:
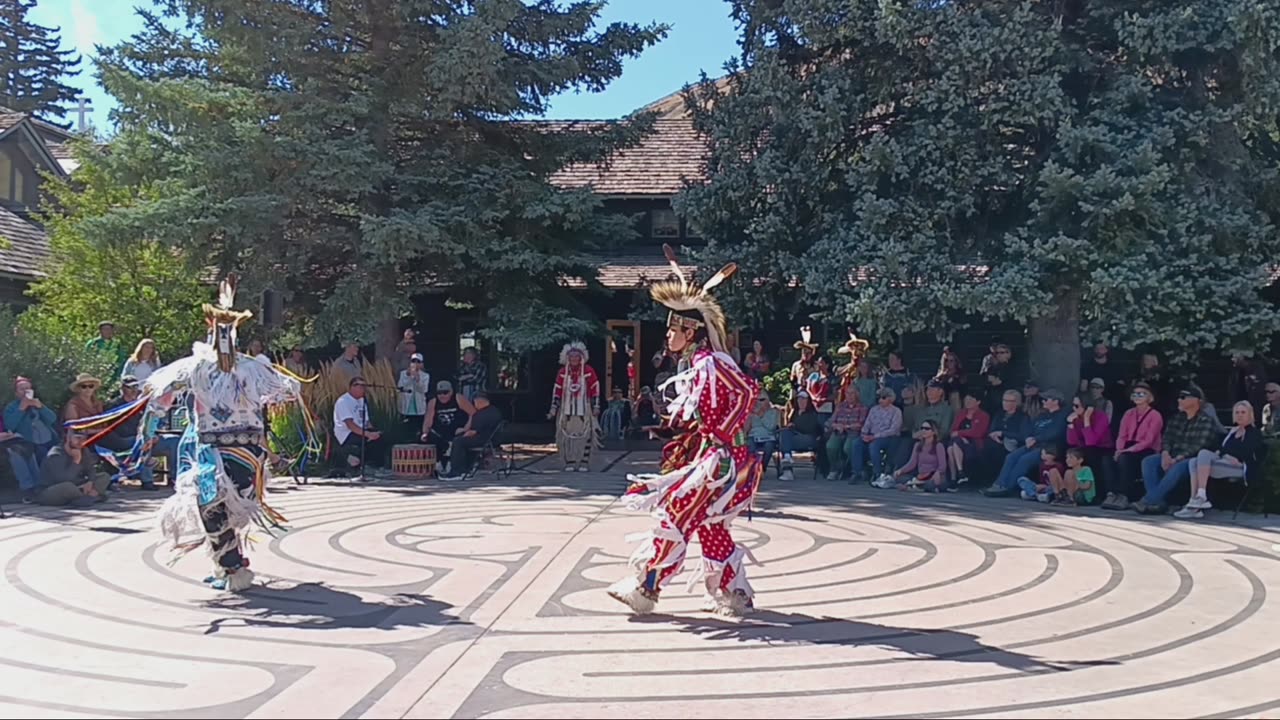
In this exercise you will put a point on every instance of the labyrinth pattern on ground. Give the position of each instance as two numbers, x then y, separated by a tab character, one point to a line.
486	599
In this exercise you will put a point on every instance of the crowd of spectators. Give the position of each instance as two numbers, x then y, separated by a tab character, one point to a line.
1125	440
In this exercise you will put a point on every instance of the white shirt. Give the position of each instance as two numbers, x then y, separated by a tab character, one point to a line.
413	403
348	408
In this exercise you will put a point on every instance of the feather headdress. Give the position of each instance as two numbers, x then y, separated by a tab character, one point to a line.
806	339
570	347
223	321
691	306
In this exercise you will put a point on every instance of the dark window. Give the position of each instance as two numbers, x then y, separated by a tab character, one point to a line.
664	223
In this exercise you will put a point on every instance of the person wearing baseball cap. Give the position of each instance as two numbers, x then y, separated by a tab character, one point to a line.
414	385
1048	430
446	414
1186	433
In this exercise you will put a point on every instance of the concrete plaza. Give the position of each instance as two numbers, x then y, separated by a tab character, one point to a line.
485	599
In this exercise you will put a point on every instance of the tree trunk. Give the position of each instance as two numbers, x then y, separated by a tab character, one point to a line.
1054	341
388	334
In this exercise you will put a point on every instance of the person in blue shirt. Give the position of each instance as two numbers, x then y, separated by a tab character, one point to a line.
1049	429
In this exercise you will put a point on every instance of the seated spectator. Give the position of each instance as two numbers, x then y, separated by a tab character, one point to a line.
801	434
935	409
1089	430
1271	411
843	429
22	458
353	429
758	364
1237	456
1076	486
968	436
762	428
1032	403
646	413
28	418
1140	431
143	361
84	401
616	416
927	466
1049	429
123	438
1096	396
1008	431
879	436
447	413
820	386
478	432
1185	435
1050	466
897	377
67	476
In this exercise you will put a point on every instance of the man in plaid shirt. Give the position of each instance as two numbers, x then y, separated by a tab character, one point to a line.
1185	434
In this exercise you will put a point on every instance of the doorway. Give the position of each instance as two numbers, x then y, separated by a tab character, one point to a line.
622	352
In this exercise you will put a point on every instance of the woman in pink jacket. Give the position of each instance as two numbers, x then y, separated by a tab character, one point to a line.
1140	432
1089	428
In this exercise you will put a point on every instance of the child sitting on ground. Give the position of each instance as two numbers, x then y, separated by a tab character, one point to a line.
1075	486
1042	490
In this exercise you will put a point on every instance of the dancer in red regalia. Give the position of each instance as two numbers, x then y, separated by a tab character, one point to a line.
709	476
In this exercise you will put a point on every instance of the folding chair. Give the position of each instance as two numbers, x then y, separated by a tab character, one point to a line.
488	449
1257	467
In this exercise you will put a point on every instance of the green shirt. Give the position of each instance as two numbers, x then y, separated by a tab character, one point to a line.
111	348
1088	488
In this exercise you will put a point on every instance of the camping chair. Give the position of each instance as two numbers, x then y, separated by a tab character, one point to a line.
489	448
1246	486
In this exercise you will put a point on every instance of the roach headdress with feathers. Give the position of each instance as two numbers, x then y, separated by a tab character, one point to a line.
694	307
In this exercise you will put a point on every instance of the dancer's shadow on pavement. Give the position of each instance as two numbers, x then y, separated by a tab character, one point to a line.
316	606
775	628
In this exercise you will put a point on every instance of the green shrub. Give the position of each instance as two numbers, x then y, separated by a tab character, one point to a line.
52	362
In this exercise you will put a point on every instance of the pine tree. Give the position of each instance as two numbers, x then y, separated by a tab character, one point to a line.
33	66
356	153
1098	168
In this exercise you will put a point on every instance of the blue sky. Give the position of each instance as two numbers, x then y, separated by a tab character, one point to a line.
702	37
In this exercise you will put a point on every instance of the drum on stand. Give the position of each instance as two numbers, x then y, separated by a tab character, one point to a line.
413	461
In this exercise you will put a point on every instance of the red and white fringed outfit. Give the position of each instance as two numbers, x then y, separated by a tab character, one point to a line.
575	403
715	479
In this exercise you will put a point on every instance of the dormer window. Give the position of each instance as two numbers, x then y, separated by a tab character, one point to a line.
664	223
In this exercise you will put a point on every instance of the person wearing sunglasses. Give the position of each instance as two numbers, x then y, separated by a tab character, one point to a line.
1089	431
1049	428
1185	435
926	469
1140	432
1236	458
447	413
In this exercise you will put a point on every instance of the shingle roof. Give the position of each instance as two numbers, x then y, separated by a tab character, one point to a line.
659	166
25	247
8	119
629	272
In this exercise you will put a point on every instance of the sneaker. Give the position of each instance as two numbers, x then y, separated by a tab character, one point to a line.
952	489
962	480
995	492
1199	503
1189	513
1121	502
1026	495
1139	507
786	475
1044	497
1108	502
833	476
582	468
28	498
884	482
